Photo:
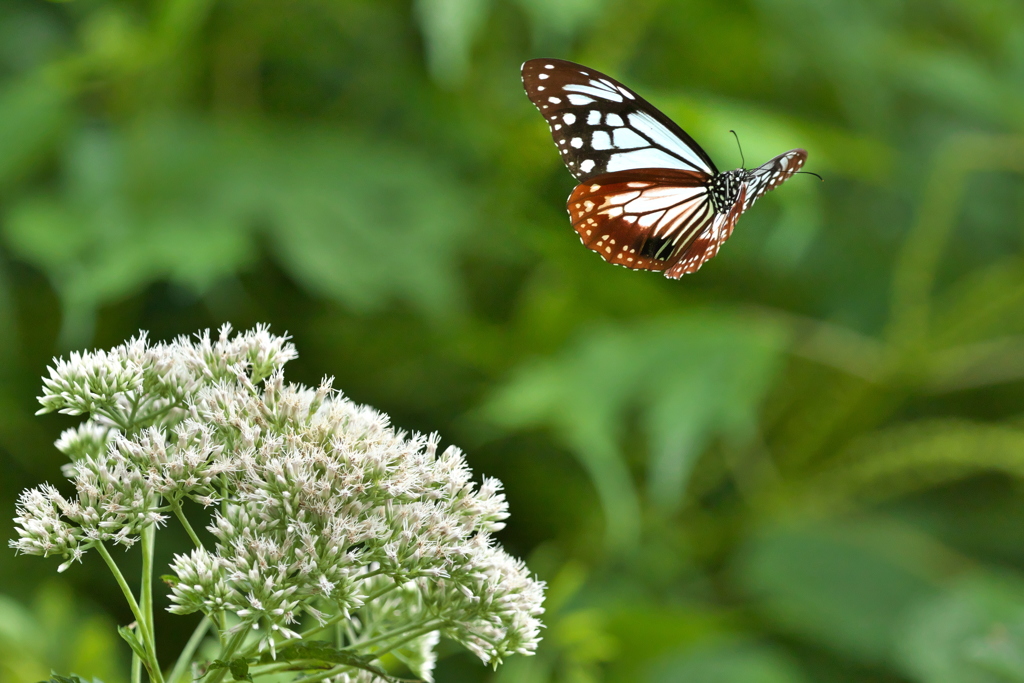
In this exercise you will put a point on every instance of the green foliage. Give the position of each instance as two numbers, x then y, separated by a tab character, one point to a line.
802	463
687	379
844	586
728	662
238	668
54	631
183	201
973	632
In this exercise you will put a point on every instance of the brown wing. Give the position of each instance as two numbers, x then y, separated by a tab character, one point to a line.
706	244
642	219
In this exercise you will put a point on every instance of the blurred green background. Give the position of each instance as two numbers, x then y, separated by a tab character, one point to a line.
802	464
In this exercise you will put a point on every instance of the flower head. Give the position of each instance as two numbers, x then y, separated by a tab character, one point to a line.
324	509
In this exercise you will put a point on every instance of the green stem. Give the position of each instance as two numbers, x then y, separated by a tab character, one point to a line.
412	636
136	668
135	409
146	587
228	652
327	624
116	417
339	618
176	508
159	413
152	666
429	625
277	667
383	591
341	668
185	658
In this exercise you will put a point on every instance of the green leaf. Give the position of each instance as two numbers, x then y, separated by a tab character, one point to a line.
238	667
320	651
844	586
555	22
974	632
33	112
173	199
449	28
918	455
727	662
692	377
133	641
420	655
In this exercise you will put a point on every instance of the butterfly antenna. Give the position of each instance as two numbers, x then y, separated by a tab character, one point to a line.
743	162
813	174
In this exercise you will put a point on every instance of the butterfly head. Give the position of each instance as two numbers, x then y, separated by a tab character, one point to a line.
725	187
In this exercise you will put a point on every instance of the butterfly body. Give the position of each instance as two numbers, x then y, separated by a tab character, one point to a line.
649	197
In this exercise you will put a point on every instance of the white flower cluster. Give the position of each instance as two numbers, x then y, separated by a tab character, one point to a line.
323	508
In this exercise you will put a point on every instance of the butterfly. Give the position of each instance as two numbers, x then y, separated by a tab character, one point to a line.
649	197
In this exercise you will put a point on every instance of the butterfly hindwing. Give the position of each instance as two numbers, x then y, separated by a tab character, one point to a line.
601	126
643	219
771	174
707	244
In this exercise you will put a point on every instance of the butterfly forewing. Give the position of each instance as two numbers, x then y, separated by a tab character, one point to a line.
601	126
641	219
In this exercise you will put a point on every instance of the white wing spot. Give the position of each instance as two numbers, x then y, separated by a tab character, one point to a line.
595	188
647	220
644	158
576	142
620	198
554	100
601	140
579	100
540	87
602	93
594	118
569	118
587	165
626	138
542	76
558	126
614	120
549	66
649	127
